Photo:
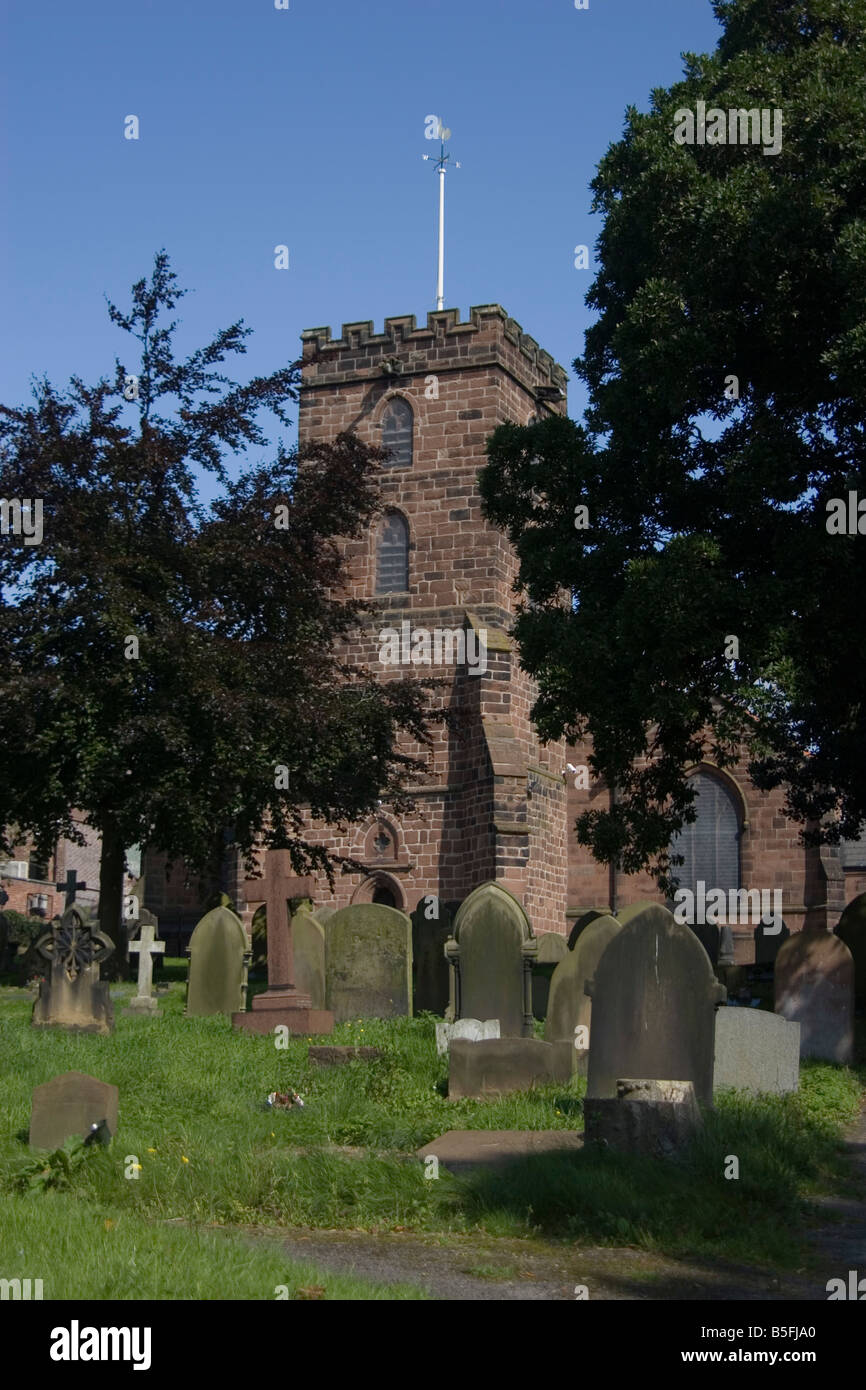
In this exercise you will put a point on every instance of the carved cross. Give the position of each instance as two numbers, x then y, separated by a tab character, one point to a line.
147	947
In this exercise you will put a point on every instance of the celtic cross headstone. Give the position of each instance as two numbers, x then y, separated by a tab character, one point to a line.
73	996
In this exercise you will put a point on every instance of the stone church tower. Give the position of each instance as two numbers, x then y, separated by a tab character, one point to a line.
493	803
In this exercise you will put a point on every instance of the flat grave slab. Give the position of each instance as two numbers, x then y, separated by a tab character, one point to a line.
462	1149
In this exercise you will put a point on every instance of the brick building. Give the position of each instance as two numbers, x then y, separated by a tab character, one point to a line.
494	803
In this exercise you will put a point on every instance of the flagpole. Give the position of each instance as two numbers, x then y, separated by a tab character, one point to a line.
441	165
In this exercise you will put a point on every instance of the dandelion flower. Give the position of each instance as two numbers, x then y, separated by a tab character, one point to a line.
151	1151
184	1159
108	1223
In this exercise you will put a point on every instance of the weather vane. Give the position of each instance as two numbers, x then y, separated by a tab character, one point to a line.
441	163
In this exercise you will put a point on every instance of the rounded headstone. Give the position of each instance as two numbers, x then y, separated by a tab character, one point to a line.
584	921
654	997
852	930
490	930
368	957
569	1006
814	986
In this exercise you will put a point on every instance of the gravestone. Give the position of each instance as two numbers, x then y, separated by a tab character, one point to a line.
552	946
654	997
653	1117
218	953
570	1007
282	1004
584	921
491	955
497	1065
814	986
67	1106
308	936
756	1051
146	947
368	959
431	928
73	997
852	930
467	1029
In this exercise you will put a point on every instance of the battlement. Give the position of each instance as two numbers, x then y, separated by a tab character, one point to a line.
443	335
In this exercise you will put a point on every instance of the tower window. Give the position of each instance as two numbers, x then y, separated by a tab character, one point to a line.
397	429
392	559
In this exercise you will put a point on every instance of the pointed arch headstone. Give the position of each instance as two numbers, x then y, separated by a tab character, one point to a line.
491	955
218	949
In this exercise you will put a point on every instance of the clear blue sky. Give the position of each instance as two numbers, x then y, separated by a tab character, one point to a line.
306	127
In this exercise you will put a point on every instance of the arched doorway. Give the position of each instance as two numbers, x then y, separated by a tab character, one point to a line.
384	895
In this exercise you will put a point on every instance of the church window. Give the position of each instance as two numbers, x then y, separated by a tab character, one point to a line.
397	429
392	559
710	846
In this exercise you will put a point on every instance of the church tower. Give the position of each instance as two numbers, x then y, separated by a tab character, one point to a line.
493	804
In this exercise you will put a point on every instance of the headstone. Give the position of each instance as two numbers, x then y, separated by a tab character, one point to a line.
756	1051
552	946
852	930
308	938
569	1008
499	1065
814	986
218	950
282	1004
491	955
368	956
652	1117
146	946
654	997
67	1106
460	1150
584	921
73	997
467	1029
431	927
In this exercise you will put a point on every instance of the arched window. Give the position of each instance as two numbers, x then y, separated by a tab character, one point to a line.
710	846
397	428
392	557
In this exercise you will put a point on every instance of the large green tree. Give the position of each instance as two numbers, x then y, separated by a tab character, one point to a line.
708	497
172	669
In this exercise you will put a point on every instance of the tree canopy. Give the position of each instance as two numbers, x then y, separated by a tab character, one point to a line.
174	669
726	380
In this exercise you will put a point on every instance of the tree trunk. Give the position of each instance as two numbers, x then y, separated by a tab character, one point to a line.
111	866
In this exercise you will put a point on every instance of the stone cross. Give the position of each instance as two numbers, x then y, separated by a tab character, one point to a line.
147	947
71	887
280	883
282	1003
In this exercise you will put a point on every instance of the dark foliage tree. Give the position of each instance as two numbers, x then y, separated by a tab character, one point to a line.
708	510
173	669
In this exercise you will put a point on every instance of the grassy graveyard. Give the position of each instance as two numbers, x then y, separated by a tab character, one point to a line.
200	1156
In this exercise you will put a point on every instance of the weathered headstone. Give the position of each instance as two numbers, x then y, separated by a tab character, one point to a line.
654	997
431	928
852	930
756	1051
308	937
583	921
368	958
569	1009
146	946
467	1029
218	951
67	1106
491	955
814	986
499	1065
552	946
653	1117
73	997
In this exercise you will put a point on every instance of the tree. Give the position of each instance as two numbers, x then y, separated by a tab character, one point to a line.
727	388
173	669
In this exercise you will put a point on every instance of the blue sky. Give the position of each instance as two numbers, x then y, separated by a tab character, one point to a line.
305	127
